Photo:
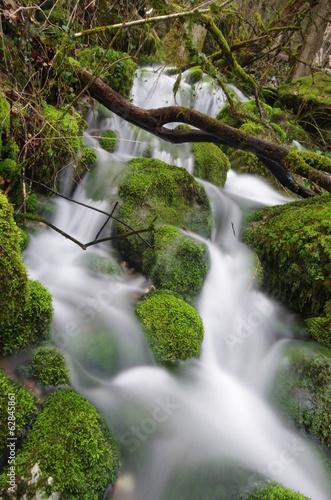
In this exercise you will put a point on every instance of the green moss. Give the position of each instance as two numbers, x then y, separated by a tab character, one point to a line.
319	328
117	67
9	169
108	140
89	157
293	242
173	328
24	239
177	263
297	161
22	404
275	491
313	89
13	275
194	75
252	128
302	391
4	117
153	189
71	443
210	163
48	367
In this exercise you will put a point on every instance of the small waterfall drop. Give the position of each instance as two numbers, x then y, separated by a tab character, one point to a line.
208	418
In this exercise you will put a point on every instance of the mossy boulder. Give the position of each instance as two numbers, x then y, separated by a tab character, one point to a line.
99	264
48	367
173	328
194	75
25	305
275	491
309	94
319	328
210	163
302	390
15	402
96	351
153	190
88	157
4	117
178	262
117	67
70	443
293	242
107	140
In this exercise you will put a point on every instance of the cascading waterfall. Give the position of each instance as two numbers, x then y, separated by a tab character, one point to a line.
204	427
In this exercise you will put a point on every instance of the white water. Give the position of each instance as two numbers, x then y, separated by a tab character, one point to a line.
209	418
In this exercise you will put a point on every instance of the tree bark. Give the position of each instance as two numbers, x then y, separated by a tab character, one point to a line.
209	129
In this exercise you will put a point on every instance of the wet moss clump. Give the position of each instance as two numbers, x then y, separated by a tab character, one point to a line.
25	305
210	163
107	140
178	262
71	443
154	190
19	401
275	491
293	242
194	75
88	157
48	367
247	163
302	391
173	328
117	67
319	328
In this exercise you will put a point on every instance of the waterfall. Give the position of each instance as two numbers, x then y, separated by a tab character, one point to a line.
205	426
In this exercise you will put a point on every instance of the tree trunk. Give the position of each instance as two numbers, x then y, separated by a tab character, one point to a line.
313	39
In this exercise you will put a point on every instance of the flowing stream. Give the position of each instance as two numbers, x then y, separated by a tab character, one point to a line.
205	428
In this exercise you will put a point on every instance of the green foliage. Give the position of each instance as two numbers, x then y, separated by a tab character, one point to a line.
153	189
173	328
302	392
89	157
115	68
4	114
210	163
177	263
293	242
48	367
24	408
72	444
300	161
108	140
319	328
275	491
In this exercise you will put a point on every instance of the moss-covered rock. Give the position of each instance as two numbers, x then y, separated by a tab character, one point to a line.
16	403
309	93
48	367
107	140
70	443
293	242
177	263
302	391
210	163
300	161
25	305
173	328
117	67
104	265
88	157
319	328
275	491
194	75
153	189
13	275
4	117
